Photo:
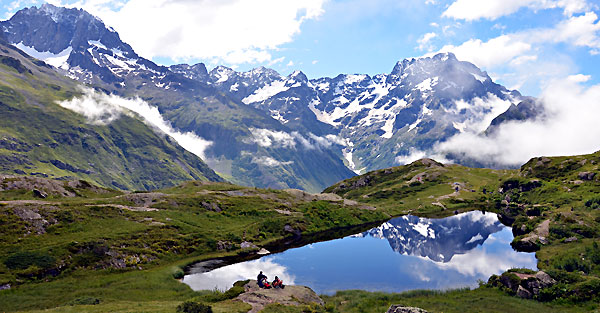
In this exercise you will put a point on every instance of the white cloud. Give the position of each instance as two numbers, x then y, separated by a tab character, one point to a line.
269	161
277	139
275	61
472	10
412	156
577	30
530	56
487	262
224	277
425	41
569	127
579	78
11	6
101	109
234	31
496	51
267	138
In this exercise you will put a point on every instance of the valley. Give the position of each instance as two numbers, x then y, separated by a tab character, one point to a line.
130	186
136	243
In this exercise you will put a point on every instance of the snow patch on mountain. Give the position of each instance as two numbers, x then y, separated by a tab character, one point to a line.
347	153
352	79
58	60
277	115
422	228
427	84
479	77
475	238
266	92
97	43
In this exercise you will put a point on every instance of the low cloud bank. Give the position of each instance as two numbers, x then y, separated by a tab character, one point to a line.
281	139
269	161
569	126
102	109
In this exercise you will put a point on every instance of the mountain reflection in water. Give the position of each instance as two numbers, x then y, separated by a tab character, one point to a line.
425	253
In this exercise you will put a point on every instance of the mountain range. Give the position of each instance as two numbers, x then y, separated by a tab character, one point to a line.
270	130
39	137
437	239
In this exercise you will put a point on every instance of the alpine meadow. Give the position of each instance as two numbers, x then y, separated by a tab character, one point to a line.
299	156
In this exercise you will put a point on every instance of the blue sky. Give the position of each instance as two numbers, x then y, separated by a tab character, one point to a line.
523	44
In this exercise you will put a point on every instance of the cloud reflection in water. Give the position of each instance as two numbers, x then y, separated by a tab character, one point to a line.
417	254
224	277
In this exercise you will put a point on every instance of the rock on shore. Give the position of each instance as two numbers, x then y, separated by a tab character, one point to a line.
258	297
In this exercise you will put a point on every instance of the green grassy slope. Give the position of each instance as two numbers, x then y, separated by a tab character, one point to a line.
122	247
40	138
552	205
193	106
424	188
115	248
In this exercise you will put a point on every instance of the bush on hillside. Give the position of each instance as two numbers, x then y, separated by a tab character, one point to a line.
193	307
23	260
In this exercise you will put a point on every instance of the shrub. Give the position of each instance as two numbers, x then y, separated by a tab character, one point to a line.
559	290
23	260
593	253
178	274
193	307
560	231
593	203
85	301
571	264
588	290
217	296
563	276
233	292
415	183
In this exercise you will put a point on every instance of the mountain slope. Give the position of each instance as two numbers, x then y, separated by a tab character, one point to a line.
280	131
82	47
377	120
38	137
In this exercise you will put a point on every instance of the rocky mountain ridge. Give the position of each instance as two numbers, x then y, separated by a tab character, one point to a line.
377	119
246	145
437	239
271	130
39	137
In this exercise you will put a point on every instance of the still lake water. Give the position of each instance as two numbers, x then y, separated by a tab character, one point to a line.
404	253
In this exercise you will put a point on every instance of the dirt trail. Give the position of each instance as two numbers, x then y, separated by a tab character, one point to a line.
20	202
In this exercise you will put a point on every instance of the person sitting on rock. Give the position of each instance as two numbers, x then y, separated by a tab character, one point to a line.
277	283
261	279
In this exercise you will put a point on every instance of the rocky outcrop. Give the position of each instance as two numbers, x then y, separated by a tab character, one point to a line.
42	188
35	223
526	286
586	175
258	298
211	206
224	245
395	308
532	242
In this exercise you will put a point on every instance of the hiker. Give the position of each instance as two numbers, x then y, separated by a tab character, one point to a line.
277	283
261	280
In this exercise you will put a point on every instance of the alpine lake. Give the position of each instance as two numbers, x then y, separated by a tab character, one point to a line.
405	253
